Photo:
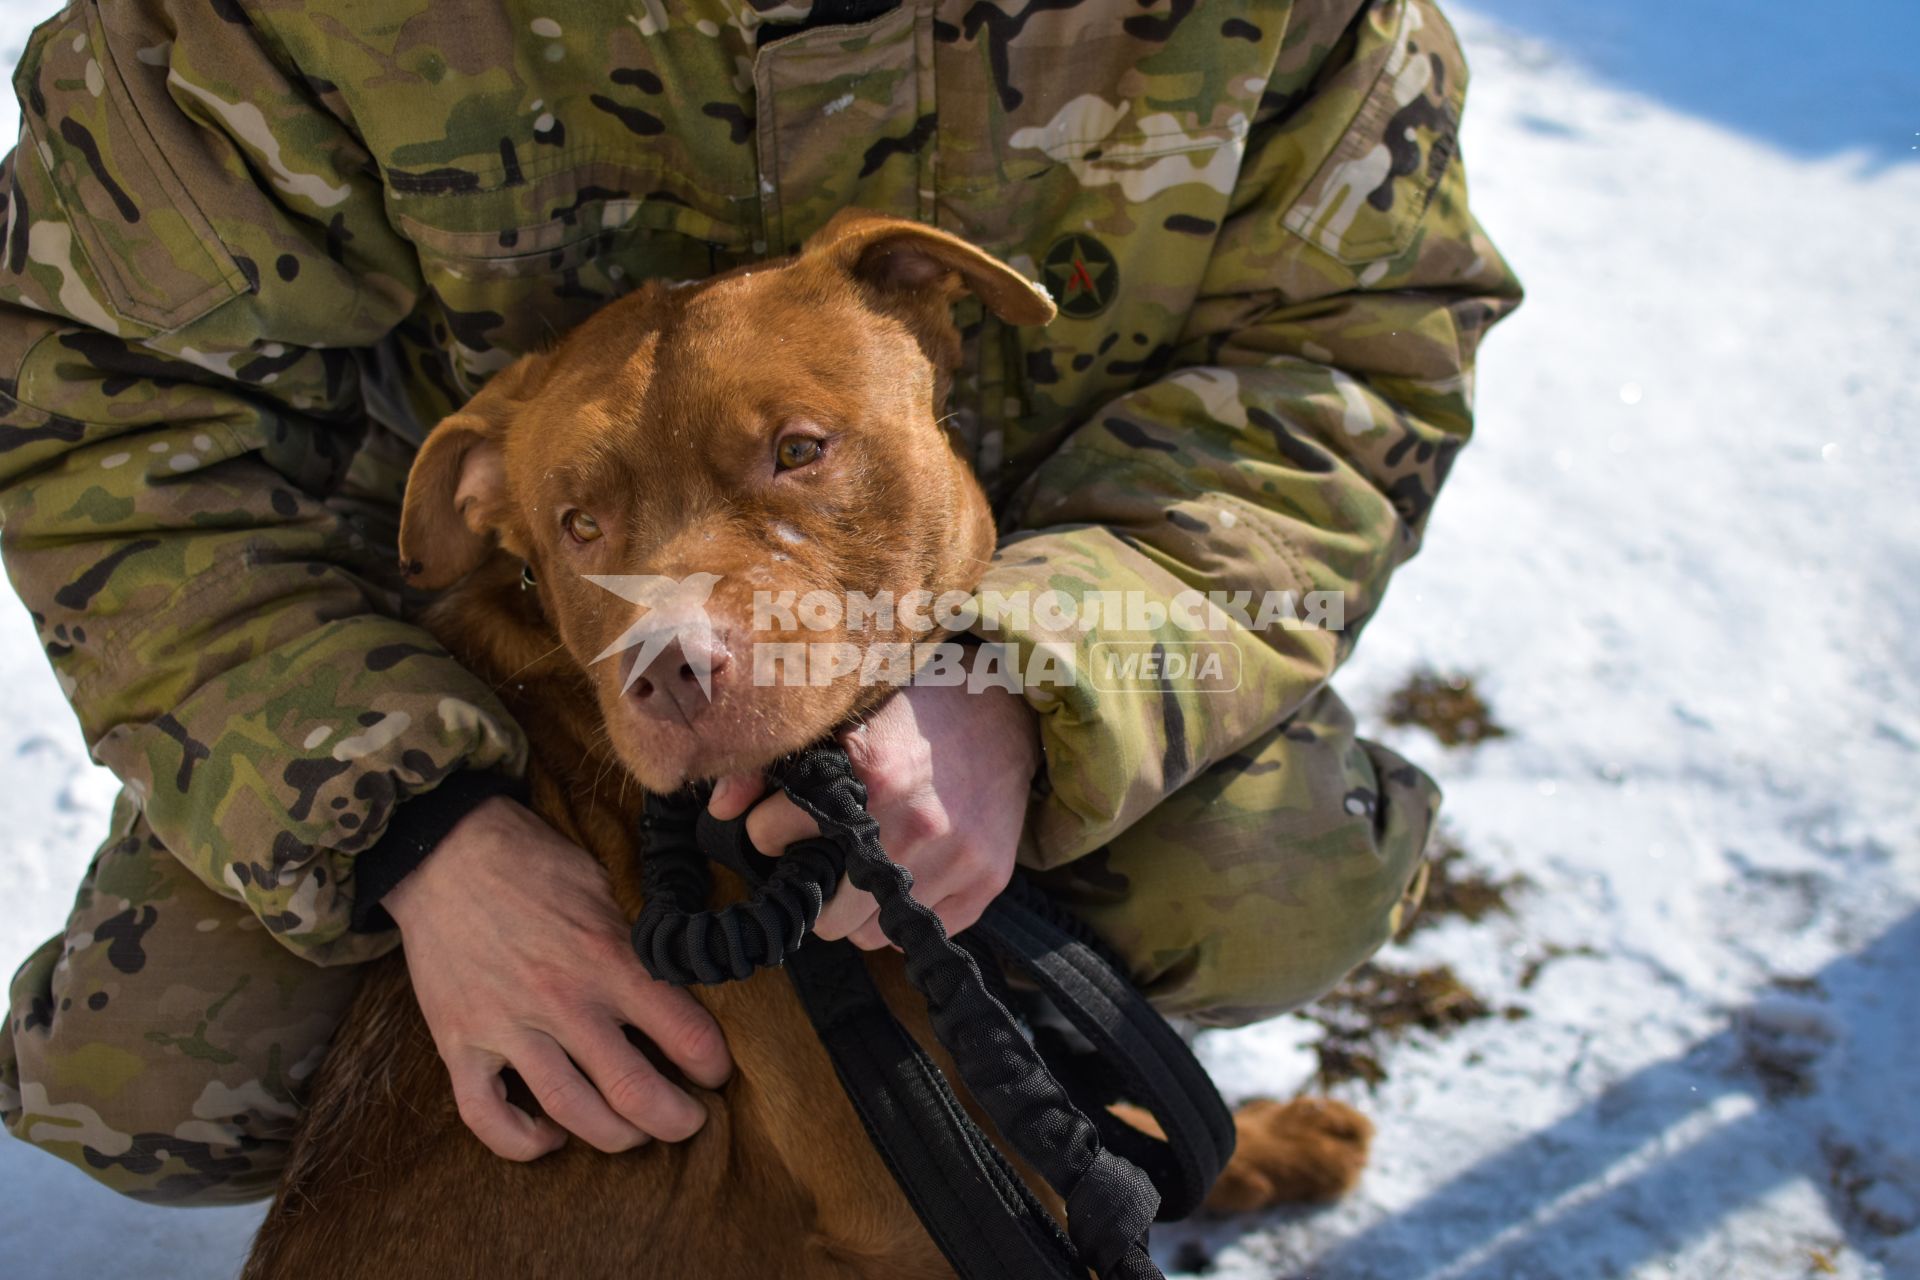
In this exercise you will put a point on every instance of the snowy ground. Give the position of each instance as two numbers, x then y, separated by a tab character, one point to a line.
1682	561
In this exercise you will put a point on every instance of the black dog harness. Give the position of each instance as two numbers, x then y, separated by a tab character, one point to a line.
1052	1109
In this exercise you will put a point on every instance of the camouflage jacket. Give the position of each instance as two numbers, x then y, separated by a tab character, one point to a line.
254	250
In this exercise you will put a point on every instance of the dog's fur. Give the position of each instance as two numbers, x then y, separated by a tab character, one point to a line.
661	418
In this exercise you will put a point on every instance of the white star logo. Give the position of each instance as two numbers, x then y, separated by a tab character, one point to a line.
670	609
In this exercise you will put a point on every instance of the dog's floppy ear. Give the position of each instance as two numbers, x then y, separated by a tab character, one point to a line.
895	256
457	490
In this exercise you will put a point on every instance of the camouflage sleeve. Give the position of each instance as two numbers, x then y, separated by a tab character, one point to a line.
197	259
1323	388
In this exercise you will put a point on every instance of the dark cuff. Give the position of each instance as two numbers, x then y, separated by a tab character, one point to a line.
417	827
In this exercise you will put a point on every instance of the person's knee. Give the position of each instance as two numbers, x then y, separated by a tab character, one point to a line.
105	1111
140	1117
1249	970
1271	910
163	1045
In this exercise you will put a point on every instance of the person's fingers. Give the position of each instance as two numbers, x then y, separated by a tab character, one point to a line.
848	910
869	936
963	910
940	868
681	1027
631	1085
957	912
481	1096
915	828
976	875
733	794
864	747
777	822
564	1094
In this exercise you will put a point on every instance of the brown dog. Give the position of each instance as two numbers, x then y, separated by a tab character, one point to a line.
776	426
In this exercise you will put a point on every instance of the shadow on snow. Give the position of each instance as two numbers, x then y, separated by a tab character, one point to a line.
1659	1158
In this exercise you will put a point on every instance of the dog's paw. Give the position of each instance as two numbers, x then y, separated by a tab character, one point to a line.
1306	1149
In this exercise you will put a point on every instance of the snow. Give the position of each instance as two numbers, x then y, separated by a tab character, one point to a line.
1681	561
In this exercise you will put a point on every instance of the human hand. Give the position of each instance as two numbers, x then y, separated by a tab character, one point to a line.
947	774
519	958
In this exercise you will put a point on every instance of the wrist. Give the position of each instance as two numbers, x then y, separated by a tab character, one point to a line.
1027	720
1012	706
400	889
461	808
1014	717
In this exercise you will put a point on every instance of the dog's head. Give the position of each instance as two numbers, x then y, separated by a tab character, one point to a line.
695	450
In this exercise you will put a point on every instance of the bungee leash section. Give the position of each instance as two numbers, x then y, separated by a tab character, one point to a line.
1053	1109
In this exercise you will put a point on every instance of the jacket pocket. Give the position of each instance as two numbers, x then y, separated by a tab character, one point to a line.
1404	87
1087	112
506	275
155	260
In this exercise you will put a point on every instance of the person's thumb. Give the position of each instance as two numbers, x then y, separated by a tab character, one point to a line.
734	794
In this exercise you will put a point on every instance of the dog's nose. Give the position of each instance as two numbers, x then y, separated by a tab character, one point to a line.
681	680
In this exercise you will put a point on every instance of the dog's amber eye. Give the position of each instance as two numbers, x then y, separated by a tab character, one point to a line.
580	526
797	451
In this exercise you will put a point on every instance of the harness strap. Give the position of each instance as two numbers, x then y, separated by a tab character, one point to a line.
1112	1177
1136	1056
980	1214
1110	1203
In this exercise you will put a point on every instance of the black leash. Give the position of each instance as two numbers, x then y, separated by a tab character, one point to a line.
1114	1179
